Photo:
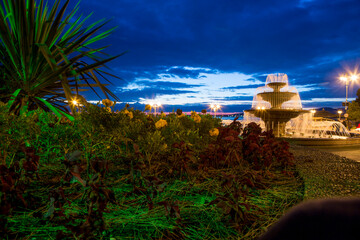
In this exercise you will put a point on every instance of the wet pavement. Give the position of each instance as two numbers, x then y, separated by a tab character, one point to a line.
351	152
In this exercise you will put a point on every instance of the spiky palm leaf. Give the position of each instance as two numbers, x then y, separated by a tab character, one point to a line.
43	54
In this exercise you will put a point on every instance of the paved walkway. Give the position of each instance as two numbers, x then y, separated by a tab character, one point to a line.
326	174
351	152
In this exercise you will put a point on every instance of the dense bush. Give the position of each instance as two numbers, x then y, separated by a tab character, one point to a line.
128	158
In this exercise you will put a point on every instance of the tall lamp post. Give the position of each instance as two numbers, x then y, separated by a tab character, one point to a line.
347	79
155	105
339	112
215	107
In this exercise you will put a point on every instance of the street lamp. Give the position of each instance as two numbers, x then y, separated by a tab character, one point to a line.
75	104
215	107
155	105
347	79
339	112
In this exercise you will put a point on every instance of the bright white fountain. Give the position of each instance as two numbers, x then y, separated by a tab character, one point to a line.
277	107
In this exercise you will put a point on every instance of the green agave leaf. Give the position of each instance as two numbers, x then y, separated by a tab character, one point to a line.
57	111
44	53
13	97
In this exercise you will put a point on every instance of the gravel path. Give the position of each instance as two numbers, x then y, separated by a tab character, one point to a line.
326	174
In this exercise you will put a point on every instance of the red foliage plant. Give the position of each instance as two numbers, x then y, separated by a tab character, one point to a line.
260	149
226	151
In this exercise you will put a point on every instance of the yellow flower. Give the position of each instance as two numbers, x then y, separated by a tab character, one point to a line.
197	119
147	107
163	115
181	115
214	132
107	102
195	116
129	114
108	109
161	123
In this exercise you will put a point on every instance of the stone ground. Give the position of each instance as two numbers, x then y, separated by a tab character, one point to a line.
326	174
351	152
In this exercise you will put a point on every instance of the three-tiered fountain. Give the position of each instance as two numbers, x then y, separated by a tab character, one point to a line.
276	103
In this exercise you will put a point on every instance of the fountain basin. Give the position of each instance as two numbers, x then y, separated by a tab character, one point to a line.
322	141
276	119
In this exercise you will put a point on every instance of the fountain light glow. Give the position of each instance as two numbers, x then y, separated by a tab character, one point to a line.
278	107
275	104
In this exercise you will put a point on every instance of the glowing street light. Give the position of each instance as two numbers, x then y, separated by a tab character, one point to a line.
347	79
215	107
339	112
313	111
155	105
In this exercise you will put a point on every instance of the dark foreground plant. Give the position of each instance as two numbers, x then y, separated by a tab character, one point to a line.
46	56
96	195
109	188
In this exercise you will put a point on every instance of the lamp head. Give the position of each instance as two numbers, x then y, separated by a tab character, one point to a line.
343	78
354	77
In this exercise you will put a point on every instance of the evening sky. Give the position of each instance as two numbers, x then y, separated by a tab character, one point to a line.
190	53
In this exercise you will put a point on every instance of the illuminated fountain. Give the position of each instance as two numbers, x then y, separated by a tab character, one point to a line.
275	104
306	126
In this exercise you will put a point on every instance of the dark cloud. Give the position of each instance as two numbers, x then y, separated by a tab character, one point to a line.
243	87
166	85
235	98
147	93
181	72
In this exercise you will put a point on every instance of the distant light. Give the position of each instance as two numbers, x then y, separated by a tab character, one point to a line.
215	107
258	108
262	108
342	78
74	102
339	112
353	77
313	111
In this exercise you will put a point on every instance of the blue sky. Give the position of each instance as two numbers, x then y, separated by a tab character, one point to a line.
190	53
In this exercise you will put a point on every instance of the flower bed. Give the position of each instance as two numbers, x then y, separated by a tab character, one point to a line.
135	175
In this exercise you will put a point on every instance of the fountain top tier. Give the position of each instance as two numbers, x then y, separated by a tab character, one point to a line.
276	94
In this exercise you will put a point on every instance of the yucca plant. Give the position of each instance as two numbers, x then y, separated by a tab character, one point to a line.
46	58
